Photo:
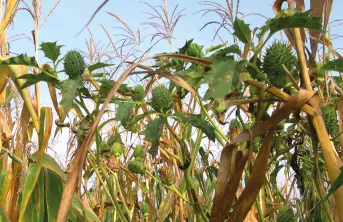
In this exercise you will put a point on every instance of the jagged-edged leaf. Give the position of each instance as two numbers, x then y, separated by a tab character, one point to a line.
223	78
153	132
185	47
123	110
32	79
337	183
49	162
216	47
226	53
106	86
29	186
53	193
199	122
193	75
334	65
69	90
242	31
21	59
98	65
51	50
290	18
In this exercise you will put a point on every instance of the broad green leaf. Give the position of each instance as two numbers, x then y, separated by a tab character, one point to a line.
5	183
90	215
22	59
43	76
49	162
334	65
193	75
198	122
3	216
106	86
53	193
51	50
30	183
242	31
222	79
98	65
123	110
336	184
69	90
290	18
216	47
36	205
153	132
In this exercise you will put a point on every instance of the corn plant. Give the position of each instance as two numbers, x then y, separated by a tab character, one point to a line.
148	143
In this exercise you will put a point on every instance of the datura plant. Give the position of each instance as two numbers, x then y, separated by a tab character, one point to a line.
205	134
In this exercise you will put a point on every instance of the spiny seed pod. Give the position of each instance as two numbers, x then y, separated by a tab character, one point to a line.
117	149
104	146
74	64
195	50
253	72
113	164
166	175
139	152
278	54
136	167
138	93
330	118
145	209
234	129
254	91
161	99
286	215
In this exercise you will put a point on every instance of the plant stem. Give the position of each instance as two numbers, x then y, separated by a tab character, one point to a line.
211	120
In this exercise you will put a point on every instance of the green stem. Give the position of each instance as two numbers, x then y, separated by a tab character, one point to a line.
211	120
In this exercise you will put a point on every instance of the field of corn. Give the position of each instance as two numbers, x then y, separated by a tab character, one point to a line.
250	129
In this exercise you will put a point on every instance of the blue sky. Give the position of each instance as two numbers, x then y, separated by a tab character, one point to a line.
71	15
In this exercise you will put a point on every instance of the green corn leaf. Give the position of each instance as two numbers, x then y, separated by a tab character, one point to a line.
30	193
3	216
53	193
49	162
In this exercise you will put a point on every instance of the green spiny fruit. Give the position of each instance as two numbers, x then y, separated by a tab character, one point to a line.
234	129
138	93
277	55
330	118
139	152
254	91
74	64
136	167
286	215
253	72
161	99
166	175
195	50
145	209
117	149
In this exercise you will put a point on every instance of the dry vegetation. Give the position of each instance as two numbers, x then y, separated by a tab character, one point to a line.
263	143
